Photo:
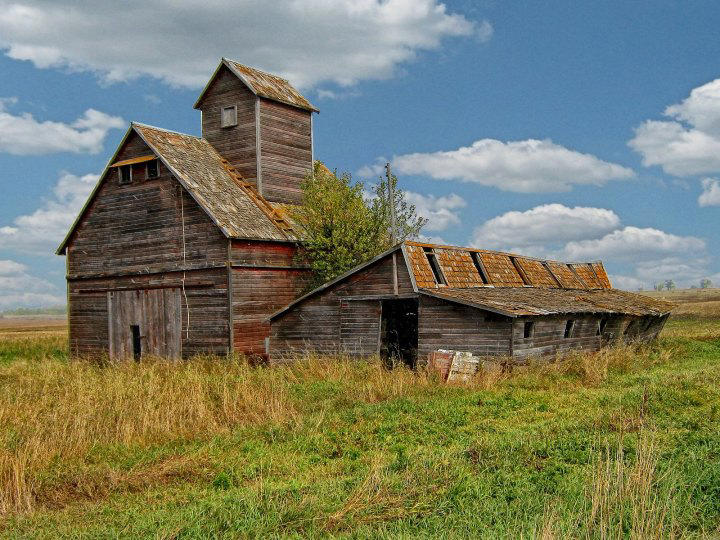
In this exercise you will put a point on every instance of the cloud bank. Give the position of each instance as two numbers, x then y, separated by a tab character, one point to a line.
529	166
313	41
21	134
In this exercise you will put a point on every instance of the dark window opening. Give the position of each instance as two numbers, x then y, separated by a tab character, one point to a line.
399	332
125	173
569	326
152	169
630	327
528	329
520	271
648	324
435	267
137	346
480	267
601	327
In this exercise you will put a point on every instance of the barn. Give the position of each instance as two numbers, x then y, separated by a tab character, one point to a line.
184	246
418	298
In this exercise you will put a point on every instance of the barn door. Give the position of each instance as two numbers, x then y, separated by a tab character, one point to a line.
144	322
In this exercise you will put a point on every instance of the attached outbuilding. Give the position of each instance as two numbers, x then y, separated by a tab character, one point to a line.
418	298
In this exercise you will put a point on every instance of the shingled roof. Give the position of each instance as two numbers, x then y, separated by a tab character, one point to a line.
528	301
262	84
501	269
516	285
232	203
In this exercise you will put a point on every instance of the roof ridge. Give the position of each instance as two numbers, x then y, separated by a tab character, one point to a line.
261	202
257	69
141	124
468	248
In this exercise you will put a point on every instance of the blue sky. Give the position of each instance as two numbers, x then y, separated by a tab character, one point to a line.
576	130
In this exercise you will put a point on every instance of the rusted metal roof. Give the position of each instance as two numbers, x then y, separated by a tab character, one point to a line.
232	203
263	84
502	269
532	301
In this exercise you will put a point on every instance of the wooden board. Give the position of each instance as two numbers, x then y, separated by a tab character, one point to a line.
360	327
157	313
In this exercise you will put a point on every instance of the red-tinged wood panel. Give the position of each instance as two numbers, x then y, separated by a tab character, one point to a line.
253	252
256	294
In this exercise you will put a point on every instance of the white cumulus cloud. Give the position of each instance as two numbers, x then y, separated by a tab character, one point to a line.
710	195
634	244
689	143
307	41
645	255
23	134
41	231
441	212
19	288
544	227
529	166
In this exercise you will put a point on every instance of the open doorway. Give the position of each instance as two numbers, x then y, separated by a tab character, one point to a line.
399	332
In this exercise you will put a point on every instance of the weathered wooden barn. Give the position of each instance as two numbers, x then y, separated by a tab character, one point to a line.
418	298
184	245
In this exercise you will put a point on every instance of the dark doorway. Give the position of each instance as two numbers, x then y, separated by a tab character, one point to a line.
137	346
399	332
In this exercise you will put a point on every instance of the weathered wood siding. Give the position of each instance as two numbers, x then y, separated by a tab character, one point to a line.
285	150
138	227
641	329
316	324
360	326
548	336
237	144
445	325
265	277
256	294
207	298
157	314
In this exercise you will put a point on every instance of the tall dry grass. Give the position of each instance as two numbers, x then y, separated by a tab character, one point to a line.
53	414
56	412
628	497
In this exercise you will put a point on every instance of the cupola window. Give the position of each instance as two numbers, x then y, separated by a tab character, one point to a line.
228	116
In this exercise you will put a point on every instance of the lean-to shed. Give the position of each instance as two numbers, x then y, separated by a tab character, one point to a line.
418	298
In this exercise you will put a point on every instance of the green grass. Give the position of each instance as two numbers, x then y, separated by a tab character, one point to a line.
622	445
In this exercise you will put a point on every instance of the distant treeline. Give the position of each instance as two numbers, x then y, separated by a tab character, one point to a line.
56	310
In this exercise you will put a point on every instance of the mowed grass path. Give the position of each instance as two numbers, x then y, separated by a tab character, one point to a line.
624	443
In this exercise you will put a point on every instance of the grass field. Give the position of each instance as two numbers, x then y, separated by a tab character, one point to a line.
625	443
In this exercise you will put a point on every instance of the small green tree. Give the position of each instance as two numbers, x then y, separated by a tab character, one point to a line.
658	286
342	227
705	283
669	284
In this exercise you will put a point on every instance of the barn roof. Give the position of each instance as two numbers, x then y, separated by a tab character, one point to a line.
232	203
262	84
516	285
529	301
460	269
